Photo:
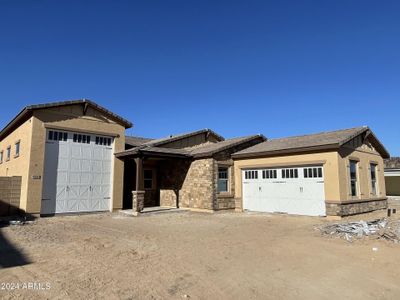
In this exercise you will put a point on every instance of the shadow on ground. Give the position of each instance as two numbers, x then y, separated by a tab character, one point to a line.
10	255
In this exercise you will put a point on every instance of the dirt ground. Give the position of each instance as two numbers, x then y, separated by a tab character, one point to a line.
193	255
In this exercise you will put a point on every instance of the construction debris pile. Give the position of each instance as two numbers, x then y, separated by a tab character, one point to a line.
379	228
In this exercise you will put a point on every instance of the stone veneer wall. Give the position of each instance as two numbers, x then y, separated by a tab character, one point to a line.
194	183
348	209
191	183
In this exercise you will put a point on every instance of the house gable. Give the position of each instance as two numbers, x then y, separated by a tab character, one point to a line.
366	141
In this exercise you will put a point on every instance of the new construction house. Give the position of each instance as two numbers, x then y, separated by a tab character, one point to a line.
73	156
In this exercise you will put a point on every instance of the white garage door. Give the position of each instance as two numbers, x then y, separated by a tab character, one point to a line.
77	172
297	190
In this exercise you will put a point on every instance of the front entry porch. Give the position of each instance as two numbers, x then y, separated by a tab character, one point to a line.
146	178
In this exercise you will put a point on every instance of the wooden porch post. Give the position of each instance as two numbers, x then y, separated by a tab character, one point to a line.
139	174
138	194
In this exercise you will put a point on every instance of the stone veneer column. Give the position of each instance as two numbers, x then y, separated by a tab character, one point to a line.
137	202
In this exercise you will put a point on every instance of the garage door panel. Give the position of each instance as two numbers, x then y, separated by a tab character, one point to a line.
76	151
106	179
97	153
86	152
71	205
75	178
63	150
106	166
60	206
96	166
85	166
85	179
62	164
75	165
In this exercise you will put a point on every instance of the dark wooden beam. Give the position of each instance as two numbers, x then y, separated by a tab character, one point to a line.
139	174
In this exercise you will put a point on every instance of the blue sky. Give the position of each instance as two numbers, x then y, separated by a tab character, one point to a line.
279	68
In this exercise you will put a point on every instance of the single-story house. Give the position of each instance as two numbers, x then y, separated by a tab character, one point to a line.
392	176
192	170
334	173
73	156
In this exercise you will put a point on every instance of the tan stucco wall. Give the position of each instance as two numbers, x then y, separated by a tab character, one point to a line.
330	161
18	166
336	171
392	185
365	157
32	162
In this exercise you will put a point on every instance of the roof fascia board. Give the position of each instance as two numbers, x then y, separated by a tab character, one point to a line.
286	151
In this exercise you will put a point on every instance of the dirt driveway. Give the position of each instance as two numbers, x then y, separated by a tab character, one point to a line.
194	255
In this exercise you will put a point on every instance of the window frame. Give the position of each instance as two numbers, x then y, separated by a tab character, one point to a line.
226	180
8	153
354	180
250	174
17	148
1	156
269	174
374	181
57	136
151	180
289	173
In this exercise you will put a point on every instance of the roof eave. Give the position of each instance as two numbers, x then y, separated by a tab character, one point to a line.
133	153
212	153
285	151
22	115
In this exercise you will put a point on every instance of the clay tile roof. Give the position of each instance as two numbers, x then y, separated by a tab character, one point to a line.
317	141
118	118
135	141
201	151
392	163
176	137
26	113
155	151
210	149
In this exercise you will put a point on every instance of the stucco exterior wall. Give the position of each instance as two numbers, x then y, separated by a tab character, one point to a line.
364	155
329	160
336	164
32	134
72	118
18	166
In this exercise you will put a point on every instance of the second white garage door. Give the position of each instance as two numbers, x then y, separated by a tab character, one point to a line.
297	190
77	173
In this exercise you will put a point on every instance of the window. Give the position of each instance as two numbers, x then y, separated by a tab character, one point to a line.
251	174
148	179
313	172
353	178
8	153
103	141
269	174
373	180
223	181
57	136
1	156
290	173
17	148
81	138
